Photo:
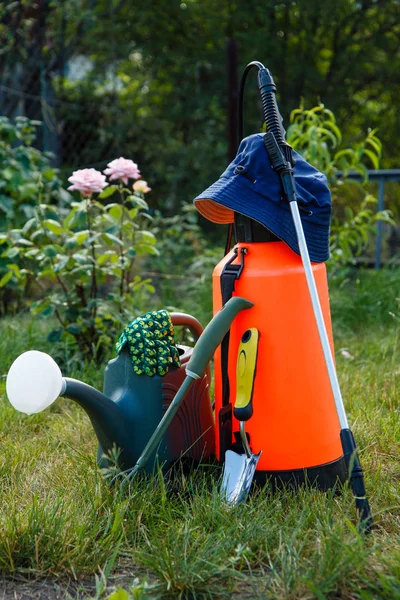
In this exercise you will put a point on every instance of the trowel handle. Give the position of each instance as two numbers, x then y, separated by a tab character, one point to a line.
183	320
245	374
213	335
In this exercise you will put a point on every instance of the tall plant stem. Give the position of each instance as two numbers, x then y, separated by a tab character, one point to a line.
56	312
62	285
93	290
122	252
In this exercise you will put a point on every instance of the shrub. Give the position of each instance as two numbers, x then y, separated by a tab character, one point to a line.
315	134
25	173
83	259
26	177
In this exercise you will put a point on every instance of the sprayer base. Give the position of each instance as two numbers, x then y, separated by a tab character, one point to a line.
323	477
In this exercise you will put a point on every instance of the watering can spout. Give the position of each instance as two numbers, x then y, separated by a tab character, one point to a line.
34	382
113	428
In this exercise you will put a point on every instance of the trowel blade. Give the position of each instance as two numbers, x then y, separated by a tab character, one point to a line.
238	476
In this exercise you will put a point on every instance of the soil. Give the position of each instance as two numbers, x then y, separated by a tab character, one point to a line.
44	589
20	588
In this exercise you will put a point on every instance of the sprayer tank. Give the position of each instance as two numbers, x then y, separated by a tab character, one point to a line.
294	423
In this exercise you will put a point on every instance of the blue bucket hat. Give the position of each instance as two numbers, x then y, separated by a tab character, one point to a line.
251	187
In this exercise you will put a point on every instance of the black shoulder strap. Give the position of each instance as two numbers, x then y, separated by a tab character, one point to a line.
229	275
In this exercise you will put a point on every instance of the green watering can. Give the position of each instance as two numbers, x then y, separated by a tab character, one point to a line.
148	419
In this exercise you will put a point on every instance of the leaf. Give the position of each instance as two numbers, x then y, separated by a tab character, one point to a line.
108	191
48	311
343	153
326	133
119	594
53	226
32	253
50	251
61	264
140	202
7	174
107	256
375	143
39	306
14	269
11	253
81	258
65	196
6	204
28	225
109	237
24	242
147	249
55	335
373	158
47	273
116	211
69	219
28	191
70	242
6	278
74	328
81	236
36	234
148	237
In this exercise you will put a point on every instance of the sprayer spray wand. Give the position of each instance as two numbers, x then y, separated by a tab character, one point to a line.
280	153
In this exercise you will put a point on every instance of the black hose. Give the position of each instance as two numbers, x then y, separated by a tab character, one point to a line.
280	154
254	63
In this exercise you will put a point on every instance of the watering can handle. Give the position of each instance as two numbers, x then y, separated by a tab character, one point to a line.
183	320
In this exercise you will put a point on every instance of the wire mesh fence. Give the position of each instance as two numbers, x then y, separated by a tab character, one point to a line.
75	131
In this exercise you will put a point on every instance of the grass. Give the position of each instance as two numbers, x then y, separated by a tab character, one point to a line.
58	518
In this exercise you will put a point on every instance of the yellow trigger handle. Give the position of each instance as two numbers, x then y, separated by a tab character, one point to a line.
245	374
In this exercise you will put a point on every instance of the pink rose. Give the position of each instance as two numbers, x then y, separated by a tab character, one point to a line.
122	168
141	186
87	181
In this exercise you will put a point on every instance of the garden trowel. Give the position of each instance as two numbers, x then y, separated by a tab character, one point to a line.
240	467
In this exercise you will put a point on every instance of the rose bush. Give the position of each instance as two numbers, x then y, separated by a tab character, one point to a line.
83	259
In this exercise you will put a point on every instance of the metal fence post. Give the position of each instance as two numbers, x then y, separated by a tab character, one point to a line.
381	206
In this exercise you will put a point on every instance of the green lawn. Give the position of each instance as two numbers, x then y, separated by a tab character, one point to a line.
58	518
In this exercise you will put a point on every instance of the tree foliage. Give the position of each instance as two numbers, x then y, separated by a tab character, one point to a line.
315	134
154	82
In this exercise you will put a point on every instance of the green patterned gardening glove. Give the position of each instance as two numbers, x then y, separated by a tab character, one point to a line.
151	344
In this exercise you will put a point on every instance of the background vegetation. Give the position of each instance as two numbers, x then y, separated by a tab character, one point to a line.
111	78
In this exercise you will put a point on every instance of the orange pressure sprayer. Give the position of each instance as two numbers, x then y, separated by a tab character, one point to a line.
298	421
294	422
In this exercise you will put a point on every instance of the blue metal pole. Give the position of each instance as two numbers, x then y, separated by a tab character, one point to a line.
381	206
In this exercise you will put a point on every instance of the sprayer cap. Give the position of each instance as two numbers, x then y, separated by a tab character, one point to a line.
34	381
